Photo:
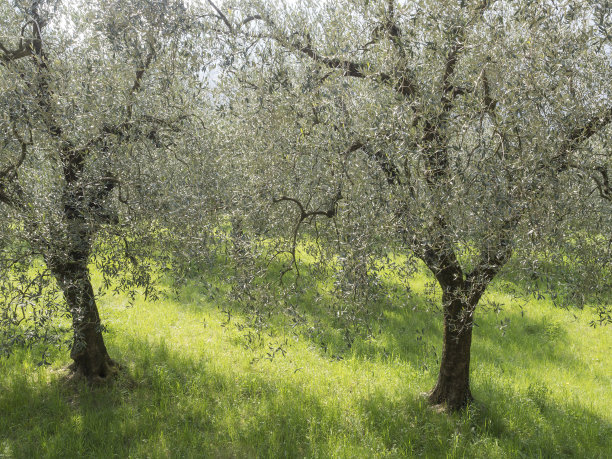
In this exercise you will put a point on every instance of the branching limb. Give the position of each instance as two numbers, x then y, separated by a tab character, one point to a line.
26	46
222	16
576	137
603	182
490	104
9	173
25	49
137	85
439	255
599	175
304	214
402	84
496	254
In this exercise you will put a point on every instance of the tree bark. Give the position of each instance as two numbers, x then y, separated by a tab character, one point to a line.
88	351
67	258
453	386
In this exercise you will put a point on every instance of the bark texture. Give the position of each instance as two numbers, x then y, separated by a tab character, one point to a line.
452	388
89	354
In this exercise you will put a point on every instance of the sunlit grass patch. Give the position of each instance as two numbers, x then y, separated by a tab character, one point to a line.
195	385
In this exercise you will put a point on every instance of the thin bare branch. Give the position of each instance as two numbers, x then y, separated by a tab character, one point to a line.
222	16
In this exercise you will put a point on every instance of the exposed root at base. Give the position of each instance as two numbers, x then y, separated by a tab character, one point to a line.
105	373
444	403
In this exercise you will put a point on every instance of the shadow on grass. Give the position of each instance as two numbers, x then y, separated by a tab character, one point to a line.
161	405
166	405
505	419
407	324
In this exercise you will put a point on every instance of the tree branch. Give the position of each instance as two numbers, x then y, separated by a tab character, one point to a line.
136	86
577	136
222	16
304	214
25	49
402	84
592	127
495	256
603	184
442	261
12	168
9	174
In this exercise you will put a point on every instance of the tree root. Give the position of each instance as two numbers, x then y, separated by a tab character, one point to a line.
101	373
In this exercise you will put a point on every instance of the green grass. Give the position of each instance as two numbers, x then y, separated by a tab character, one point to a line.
194	385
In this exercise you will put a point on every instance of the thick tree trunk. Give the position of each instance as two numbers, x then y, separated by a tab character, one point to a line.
88	351
453	386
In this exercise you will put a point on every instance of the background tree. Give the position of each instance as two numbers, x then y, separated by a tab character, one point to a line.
468	131
91	102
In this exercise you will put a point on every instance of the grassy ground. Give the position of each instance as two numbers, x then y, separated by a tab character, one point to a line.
194	385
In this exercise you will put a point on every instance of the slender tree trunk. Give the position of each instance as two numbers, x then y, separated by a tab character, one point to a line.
88	351
453	386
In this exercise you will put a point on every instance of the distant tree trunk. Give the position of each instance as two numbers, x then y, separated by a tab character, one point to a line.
238	237
453	386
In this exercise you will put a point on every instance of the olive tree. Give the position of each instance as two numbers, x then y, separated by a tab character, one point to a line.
96	95
471	132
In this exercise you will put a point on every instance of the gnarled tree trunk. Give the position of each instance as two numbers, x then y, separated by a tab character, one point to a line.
88	351
68	253
460	295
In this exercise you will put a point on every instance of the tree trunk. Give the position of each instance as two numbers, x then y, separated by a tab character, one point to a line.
69	251
88	351
453	386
